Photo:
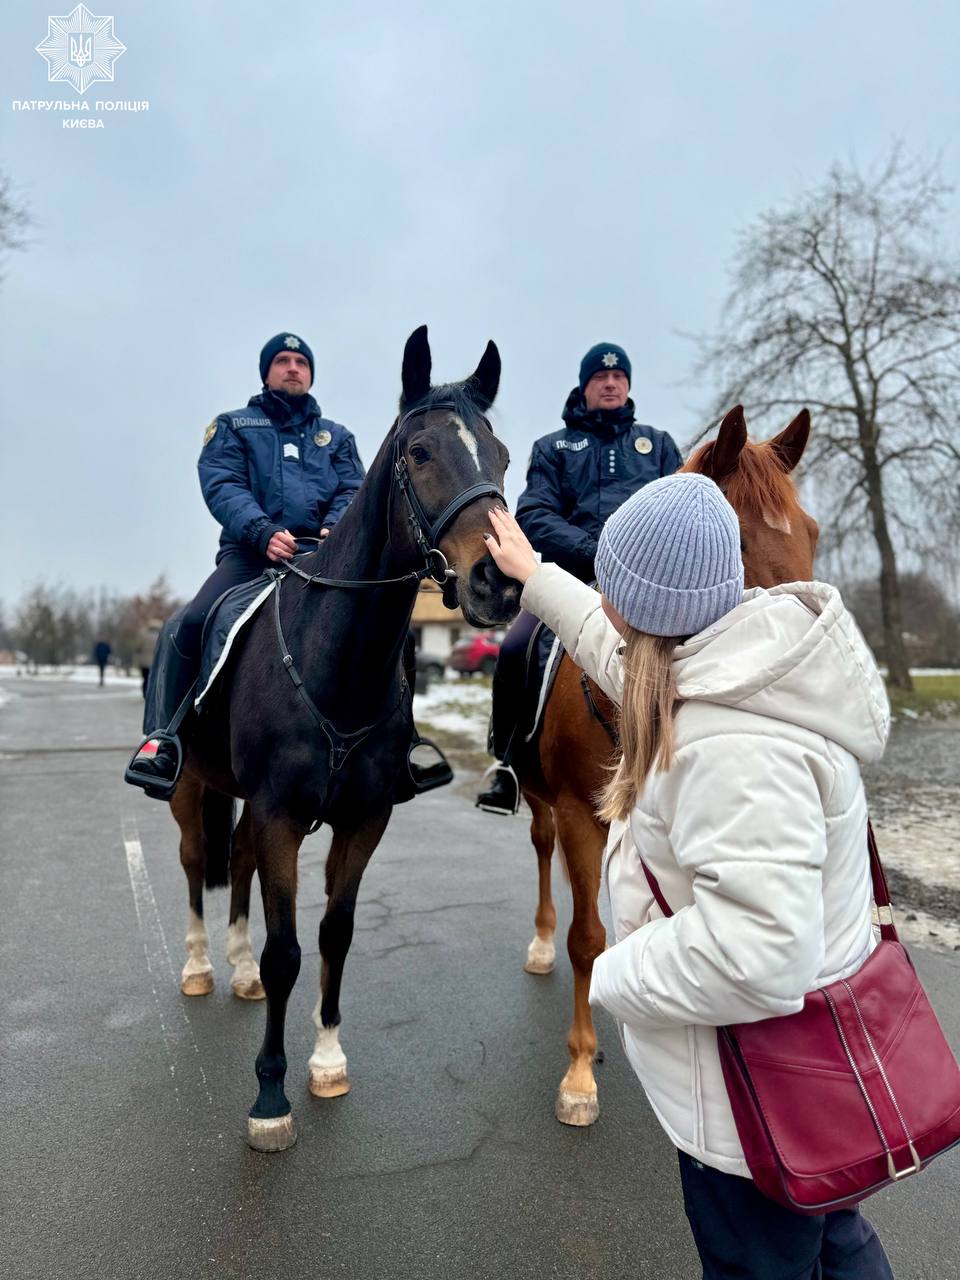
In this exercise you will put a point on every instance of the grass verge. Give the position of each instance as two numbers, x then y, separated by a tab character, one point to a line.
933	697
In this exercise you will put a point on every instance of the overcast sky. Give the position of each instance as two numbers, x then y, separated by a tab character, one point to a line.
546	174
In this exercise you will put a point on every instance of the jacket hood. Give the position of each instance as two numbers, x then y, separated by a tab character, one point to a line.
793	653
577	415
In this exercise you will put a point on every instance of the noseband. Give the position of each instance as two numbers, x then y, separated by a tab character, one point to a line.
426	532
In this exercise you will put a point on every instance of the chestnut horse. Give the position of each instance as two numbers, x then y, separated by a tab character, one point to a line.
578	745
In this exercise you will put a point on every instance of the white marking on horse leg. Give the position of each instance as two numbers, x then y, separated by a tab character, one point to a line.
541	955
245	982
196	977
469	439
328	1062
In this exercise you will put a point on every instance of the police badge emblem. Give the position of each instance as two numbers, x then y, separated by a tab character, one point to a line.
322	438
643	445
210	432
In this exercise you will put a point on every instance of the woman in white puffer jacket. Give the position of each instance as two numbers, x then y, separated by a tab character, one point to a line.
744	716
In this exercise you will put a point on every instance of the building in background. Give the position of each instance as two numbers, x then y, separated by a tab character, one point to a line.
437	628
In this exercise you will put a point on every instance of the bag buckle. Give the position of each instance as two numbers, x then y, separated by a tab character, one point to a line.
896	1174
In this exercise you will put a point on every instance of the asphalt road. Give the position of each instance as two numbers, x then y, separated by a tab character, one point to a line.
122	1149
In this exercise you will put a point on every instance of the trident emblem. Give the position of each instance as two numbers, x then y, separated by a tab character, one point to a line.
81	51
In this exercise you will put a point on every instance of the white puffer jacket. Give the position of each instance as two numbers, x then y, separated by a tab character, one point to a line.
756	834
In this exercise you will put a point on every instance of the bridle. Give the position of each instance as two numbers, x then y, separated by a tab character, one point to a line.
426	533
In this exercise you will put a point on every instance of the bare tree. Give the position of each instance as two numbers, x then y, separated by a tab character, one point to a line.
14	218
846	301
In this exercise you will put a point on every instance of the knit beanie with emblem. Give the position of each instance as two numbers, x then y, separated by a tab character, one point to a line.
284	342
604	356
668	560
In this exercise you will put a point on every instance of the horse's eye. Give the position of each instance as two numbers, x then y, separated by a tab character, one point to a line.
419	454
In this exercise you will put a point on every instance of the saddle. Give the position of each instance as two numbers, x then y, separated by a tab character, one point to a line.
544	653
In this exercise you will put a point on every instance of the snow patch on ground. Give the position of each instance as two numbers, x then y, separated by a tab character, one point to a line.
458	706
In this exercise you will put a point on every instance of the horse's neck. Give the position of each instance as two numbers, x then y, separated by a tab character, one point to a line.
363	629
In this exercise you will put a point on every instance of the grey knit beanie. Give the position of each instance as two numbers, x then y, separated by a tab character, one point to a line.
668	560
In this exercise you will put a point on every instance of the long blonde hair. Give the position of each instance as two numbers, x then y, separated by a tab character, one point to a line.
646	719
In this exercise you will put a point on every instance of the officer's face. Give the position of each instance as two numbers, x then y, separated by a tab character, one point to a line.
607	389
290	372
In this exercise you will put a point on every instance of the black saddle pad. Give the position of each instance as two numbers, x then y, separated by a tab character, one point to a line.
543	661
226	619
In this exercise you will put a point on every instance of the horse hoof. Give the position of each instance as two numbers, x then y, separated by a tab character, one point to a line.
248	988
197	984
271	1135
577	1109
541	956
331	1082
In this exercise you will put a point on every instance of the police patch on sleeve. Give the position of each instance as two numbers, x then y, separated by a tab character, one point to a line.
210	432
322	438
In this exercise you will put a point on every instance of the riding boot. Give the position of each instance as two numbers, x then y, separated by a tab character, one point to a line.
169	697
504	794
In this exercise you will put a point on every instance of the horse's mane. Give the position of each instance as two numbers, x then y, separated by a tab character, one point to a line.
761	483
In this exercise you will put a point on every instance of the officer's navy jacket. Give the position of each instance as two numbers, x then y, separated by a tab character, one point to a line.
277	464
580	474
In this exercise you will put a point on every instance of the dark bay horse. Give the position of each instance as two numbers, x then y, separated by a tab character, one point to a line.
331	749
577	747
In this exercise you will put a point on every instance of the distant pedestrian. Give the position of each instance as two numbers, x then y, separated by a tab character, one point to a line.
101	656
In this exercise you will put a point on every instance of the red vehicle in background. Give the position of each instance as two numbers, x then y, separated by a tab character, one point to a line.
476	653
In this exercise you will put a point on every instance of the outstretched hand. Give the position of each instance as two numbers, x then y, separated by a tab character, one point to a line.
509	546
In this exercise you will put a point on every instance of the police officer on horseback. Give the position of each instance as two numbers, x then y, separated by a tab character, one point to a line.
578	476
271	473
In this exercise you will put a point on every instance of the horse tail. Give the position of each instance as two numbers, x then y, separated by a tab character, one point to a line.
219	818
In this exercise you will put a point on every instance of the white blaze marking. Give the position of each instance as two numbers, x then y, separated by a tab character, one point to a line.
469	439
780	523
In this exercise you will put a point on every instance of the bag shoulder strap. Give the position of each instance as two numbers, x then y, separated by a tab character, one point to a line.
881	891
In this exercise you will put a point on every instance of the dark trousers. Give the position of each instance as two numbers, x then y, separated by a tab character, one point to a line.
740	1233
233	569
508	683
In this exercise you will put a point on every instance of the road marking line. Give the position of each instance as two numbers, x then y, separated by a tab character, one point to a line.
155	949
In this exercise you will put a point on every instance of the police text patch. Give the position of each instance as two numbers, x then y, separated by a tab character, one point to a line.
573	445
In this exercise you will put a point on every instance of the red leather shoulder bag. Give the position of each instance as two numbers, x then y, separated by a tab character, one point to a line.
856	1091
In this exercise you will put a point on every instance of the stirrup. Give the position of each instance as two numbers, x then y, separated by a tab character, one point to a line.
497	768
155	787
427	777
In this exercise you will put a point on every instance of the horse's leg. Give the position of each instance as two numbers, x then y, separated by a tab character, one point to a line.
196	978
349	854
542	953
245	981
277	842
581	841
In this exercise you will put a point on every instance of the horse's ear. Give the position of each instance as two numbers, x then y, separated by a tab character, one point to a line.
485	379
791	442
725	454
416	368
